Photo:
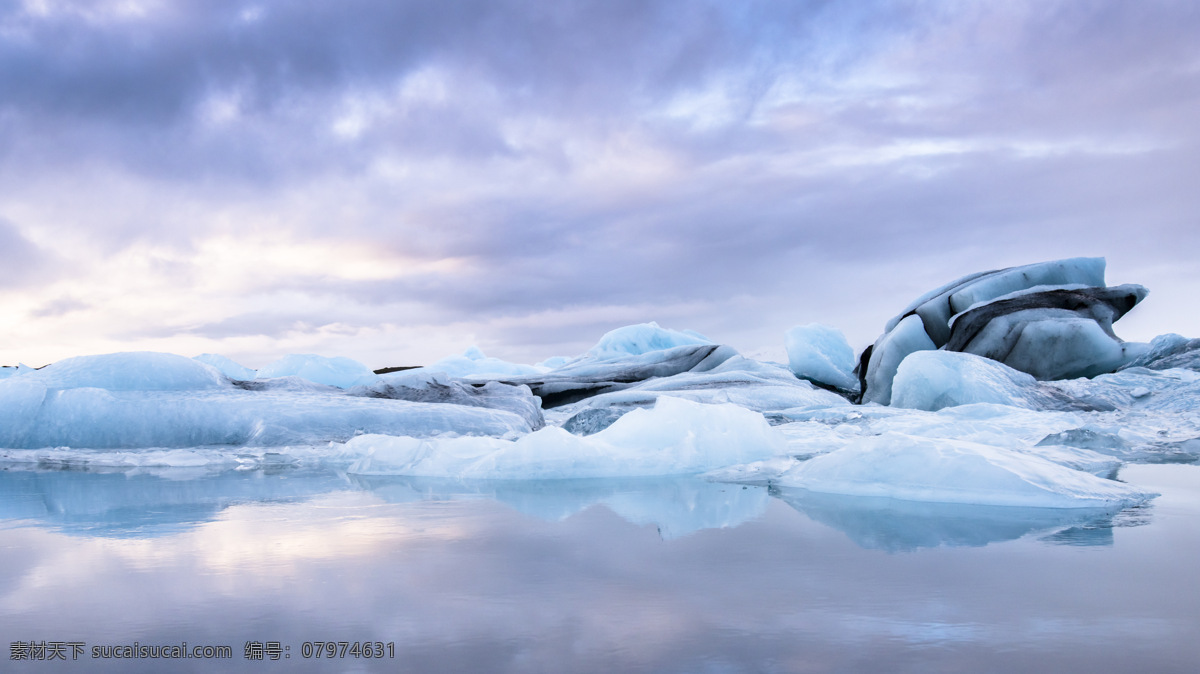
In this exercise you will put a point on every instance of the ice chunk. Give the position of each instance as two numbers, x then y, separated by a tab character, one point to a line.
757	386
227	366
588	376
7	371
340	371
635	340
420	385
955	471
907	337
131	371
821	354
932	380
1168	351
472	363
676	437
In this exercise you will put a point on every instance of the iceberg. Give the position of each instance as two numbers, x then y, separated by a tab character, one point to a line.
155	400
942	470
675	437
757	386
1052	320
821	354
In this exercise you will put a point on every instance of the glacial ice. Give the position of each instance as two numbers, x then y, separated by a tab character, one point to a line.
821	354
1052	320
147	400
340	371
941	470
675	437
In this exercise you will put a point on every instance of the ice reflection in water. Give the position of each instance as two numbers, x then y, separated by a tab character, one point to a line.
656	575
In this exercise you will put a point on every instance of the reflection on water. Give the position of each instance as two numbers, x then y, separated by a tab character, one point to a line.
141	502
896	526
654	575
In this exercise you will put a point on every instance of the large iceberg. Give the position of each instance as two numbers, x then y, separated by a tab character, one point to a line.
1052	320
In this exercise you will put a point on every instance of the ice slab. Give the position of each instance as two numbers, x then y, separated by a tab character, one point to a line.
675	437
911	468
821	354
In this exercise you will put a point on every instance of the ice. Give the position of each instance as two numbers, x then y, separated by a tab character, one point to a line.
421	385
932	380
879	523
130	371
7	371
588	376
1167	352
821	354
227	366
939	470
148	400
907	337
937	306
472	363
635	340
757	386
675	437
340	371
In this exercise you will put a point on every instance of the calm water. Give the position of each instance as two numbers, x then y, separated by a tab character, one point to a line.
673	575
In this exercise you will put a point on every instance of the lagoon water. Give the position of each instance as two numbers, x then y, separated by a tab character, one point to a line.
645	575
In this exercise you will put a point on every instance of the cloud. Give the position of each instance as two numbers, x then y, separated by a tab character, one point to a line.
475	165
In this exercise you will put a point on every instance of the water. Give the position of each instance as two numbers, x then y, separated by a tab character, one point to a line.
653	575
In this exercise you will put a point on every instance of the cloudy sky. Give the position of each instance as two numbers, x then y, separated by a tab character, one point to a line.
396	181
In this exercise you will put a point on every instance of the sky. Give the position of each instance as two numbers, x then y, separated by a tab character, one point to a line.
397	181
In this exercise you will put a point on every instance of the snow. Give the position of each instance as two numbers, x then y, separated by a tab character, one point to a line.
821	354
340	371
940	470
